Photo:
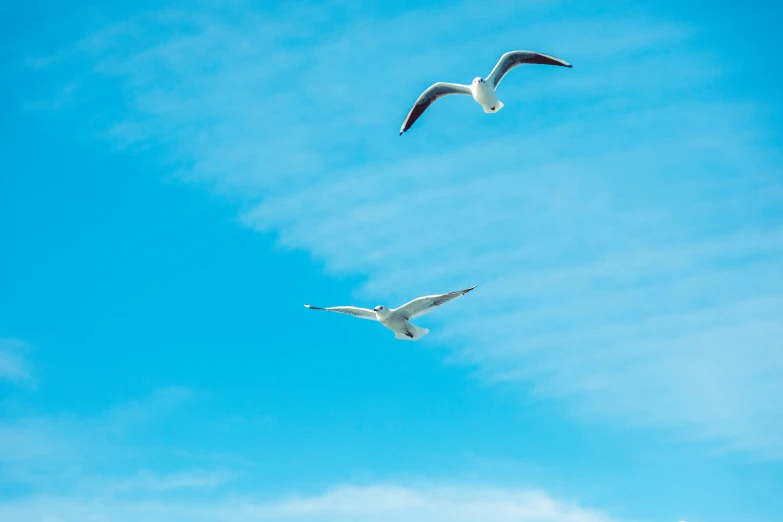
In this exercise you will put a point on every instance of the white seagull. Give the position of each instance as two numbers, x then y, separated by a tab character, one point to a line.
398	319
483	91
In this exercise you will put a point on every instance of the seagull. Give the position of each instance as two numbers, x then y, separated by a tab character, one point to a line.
482	90
397	319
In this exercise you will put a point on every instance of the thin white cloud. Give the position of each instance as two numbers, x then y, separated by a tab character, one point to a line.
375	503
628	262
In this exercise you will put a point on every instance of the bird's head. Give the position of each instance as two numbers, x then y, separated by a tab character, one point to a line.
477	81
381	310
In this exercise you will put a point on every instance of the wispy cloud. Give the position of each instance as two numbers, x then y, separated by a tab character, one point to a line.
623	218
13	365
379	503
61	451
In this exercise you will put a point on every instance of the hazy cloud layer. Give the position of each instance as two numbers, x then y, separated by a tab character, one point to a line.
88	468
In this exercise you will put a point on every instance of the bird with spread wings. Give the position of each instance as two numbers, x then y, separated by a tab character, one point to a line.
398	319
482	90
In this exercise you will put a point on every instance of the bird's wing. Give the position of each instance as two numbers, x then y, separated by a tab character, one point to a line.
426	99
510	60
361	313
423	305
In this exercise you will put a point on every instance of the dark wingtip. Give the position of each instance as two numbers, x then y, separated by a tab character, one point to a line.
469	289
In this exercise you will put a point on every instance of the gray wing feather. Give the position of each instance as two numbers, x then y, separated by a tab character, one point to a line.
428	97
361	313
514	58
423	305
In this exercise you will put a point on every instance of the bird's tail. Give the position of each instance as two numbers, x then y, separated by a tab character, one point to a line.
416	331
496	108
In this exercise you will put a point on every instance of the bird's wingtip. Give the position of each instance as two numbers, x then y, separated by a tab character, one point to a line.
308	306
471	288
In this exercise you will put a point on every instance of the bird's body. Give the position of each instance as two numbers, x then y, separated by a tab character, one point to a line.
399	324
482	90
398	319
485	95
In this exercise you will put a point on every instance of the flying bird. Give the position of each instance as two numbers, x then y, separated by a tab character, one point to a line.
398	319
482	90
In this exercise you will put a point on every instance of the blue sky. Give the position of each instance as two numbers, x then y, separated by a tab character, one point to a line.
177	179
